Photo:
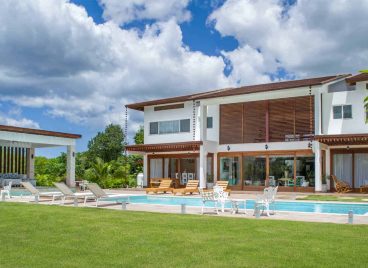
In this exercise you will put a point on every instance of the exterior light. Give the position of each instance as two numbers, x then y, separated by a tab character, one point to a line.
347	147
228	147
310	144
32	156
266	146
73	154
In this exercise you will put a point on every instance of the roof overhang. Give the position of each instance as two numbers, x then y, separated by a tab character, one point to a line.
357	78
34	138
343	139
165	147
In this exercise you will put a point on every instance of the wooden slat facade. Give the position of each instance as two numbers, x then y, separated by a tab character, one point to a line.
13	160
278	120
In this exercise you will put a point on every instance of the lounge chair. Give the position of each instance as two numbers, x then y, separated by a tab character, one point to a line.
6	191
67	193
37	194
98	193
208	196
266	200
341	186
217	195
224	185
191	187
165	186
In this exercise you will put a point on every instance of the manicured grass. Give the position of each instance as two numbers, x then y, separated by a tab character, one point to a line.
333	198
52	236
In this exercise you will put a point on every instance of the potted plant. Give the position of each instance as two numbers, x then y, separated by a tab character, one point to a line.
325	180
209	181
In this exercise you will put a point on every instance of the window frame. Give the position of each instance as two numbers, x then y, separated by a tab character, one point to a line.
342	111
173	122
211	120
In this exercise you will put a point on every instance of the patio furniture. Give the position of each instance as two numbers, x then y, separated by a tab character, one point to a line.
363	188
235	204
272	181
341	186
37	194
165	186
184	178
208	196
15	178
221	196
6	191
98	193
224	185
68	193
191	187
266	200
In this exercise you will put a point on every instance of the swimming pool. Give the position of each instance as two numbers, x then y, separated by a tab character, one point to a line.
298	206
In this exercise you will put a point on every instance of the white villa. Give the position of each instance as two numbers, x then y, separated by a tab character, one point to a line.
293	134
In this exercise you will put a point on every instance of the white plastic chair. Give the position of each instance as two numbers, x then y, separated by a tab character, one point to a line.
221	196
6	190
266	200
207	196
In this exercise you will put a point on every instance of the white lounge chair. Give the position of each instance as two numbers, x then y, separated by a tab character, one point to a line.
37	194
266	200
221	195
98	193
67	193
217	195
208	196
6	191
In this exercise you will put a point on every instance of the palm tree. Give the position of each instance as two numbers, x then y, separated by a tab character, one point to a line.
366	98
101	171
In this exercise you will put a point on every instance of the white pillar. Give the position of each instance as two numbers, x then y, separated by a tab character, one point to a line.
215	168
203	122
202	167
318	171
31	161
70	166
145	169
328	167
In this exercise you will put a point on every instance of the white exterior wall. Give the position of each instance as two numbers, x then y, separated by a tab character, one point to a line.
357	124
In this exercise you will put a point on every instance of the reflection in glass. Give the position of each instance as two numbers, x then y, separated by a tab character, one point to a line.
282	170
254	170
305	171
230	170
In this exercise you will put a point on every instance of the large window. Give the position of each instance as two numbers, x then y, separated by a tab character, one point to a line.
254	170
282	170
342	111
343	166
209	122
230	170
168	127
305	171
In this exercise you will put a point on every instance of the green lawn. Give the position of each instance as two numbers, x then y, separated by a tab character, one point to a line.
52	236
334	198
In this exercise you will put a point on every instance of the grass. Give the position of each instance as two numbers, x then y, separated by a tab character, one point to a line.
52	236
334	198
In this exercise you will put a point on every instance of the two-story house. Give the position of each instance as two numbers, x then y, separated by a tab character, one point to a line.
292	134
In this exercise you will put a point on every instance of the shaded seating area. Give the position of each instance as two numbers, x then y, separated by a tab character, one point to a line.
15	179
191	187
164	187
341	186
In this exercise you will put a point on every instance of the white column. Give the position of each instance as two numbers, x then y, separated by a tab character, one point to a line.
215	168
318	171
30	161
145	169
203	122
70	166
328	167
202	167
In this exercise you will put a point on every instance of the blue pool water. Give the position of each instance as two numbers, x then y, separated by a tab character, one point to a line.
318	207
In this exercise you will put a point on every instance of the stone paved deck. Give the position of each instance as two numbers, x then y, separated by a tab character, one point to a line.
293	216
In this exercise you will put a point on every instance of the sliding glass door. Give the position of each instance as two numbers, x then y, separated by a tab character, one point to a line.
230	170
343	167
360	169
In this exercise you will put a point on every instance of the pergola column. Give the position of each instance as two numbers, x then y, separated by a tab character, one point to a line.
70	167
30	163
145	170
318	167
202	167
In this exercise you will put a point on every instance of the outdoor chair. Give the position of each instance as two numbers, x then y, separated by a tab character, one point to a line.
37	194
208	196
98	193
165	186
224	185
221	195
191	187
265	200
6	190
68	193
341	186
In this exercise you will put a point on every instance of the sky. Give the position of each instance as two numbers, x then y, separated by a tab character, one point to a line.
71	66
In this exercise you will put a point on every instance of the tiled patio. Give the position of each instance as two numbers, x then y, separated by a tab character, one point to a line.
293	216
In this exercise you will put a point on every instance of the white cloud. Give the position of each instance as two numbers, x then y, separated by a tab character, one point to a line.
22	122
308	38
53	56
126	11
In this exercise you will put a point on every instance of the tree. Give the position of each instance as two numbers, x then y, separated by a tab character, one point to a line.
107	145
366	98
139	136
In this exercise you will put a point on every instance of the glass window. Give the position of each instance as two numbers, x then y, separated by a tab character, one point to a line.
348	111
166	127
305	171
337	112
156	168
282	170
185	125
343	167
360	169
209	122
254	170
230	170
153	128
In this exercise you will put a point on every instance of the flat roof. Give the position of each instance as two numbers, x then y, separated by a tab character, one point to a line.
39	132
241	90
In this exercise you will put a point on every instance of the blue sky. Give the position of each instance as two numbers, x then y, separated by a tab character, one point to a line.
71	66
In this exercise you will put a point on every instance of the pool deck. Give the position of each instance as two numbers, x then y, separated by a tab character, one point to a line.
280	215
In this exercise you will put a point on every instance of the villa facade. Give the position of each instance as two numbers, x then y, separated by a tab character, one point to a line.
293	134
